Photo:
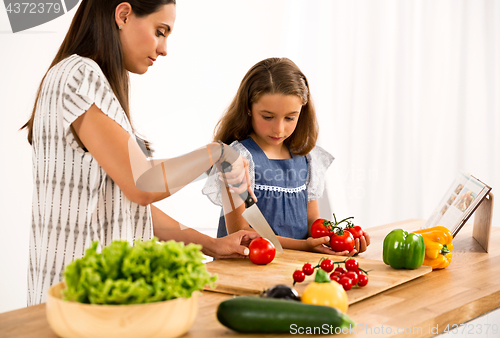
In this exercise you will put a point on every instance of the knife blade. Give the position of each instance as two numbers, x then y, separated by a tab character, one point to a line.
258	222
253	215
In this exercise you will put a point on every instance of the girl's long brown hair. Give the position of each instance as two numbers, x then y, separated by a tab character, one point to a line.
93	34
270	76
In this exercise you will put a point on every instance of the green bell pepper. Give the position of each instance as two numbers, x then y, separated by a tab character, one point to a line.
403	250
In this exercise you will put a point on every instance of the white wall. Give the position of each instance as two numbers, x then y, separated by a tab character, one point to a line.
177	103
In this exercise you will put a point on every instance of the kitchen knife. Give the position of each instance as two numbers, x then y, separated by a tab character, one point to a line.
254	216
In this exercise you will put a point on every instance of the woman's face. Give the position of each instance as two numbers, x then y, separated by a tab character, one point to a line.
274	118
144	39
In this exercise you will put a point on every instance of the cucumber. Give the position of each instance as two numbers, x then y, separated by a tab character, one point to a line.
248	314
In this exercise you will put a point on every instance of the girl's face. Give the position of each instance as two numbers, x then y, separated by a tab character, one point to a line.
144	39
274	118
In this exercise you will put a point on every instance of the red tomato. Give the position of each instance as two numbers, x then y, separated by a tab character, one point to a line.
339	270
346	283
363	280
353	276
352	265
356	231
334	277
319	228
308	269
262	251
327	265
341	241
298	276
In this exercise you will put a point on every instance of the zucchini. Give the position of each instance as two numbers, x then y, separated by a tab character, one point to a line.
269	315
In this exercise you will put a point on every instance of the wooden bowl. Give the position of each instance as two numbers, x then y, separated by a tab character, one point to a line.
170	318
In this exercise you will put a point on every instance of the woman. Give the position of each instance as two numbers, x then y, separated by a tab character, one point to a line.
84	186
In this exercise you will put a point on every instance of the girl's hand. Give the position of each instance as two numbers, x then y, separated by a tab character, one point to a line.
234	245
361	244
318	245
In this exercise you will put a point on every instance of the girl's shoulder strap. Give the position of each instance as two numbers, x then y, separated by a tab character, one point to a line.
247	143
253	148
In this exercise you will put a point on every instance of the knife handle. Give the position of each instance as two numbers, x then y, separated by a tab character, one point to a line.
245	196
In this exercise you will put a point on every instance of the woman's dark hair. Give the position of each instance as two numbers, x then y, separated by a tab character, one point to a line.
270	76
94	34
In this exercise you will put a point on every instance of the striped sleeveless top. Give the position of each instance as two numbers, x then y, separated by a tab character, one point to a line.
74	201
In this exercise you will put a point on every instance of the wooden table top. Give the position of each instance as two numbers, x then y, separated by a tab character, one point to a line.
422	307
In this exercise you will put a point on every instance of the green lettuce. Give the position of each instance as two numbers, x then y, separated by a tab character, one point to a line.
147	272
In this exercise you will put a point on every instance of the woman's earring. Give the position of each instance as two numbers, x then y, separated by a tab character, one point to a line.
249	114
124	22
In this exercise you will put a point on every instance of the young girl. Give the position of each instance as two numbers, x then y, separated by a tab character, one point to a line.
84	174
272	123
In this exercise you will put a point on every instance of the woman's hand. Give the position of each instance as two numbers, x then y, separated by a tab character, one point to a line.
238	177
318	245
234	245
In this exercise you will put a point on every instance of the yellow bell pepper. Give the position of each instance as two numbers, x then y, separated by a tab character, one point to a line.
438	246
325	292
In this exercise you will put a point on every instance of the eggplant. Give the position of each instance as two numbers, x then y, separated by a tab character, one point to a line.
282	292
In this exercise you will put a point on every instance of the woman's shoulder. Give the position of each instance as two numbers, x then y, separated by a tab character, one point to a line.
74	64
79	75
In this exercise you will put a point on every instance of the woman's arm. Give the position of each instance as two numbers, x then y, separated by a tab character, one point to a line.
233	208
107	141
120	156
232	246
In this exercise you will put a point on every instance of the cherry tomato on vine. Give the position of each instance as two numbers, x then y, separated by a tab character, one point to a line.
308	269
355	230
320	228
363	280
262	251
340	276
341	241
327	265
339	270
352	265
335	278
353	276
346	283
299	276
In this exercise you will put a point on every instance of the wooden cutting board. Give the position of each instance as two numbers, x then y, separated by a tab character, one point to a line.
242	277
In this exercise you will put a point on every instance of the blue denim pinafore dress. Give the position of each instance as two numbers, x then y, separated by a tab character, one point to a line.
280	188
